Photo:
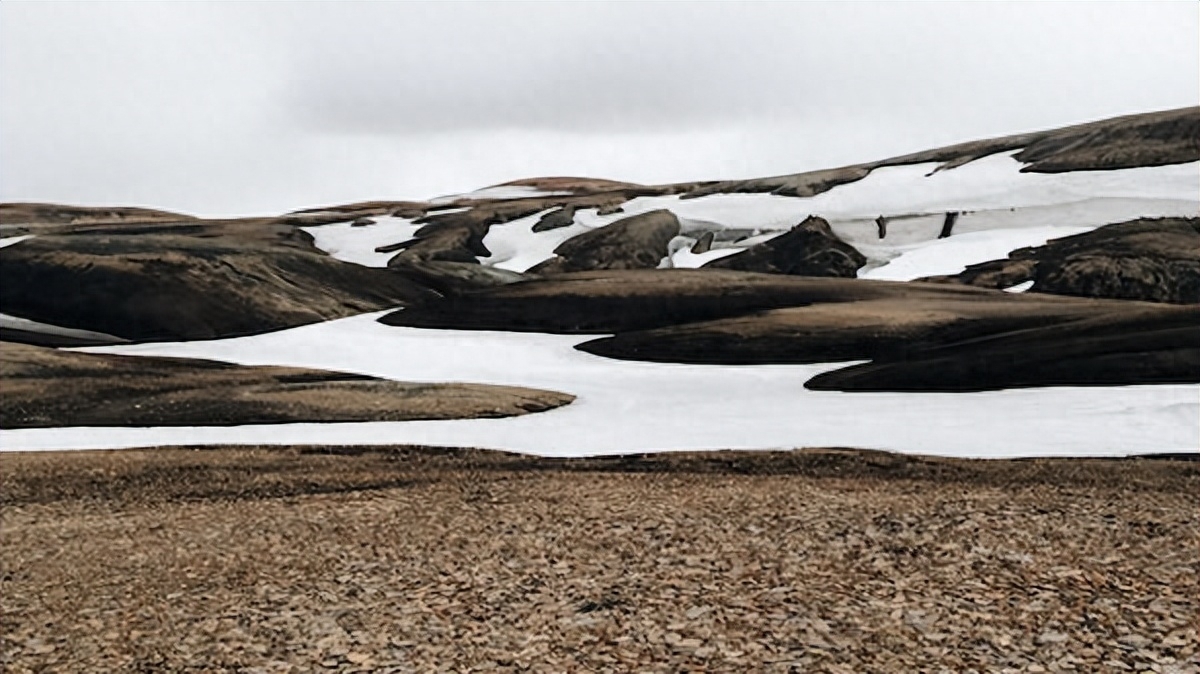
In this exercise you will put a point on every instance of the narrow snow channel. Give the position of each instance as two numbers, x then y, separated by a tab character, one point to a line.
625	407
13	240
17	323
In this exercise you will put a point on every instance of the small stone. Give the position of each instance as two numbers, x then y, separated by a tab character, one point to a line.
1050	637
1134	641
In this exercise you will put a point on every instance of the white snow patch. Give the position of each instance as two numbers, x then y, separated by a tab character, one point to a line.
10	240
357	244
686	259
627	407
996	182
957	252
516	247
1019	288
990	184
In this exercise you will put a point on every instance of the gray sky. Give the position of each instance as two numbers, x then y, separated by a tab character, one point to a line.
242	108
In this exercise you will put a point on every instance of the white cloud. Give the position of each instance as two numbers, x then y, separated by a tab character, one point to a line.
263	107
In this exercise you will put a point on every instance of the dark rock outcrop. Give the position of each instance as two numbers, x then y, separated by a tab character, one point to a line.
563	217
704	243
1155	260
808	249
42	387
637	242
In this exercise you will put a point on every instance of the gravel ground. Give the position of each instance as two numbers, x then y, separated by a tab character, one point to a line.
430	560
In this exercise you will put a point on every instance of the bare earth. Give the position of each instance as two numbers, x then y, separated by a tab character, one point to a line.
422	560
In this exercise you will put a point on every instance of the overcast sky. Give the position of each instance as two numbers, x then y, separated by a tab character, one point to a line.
244	108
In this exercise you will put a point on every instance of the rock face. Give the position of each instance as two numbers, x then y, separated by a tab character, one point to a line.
42	387
638	242
1156	260
189	281
808	249
562	217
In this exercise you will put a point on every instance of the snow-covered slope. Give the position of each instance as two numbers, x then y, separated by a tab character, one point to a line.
990	195
625	406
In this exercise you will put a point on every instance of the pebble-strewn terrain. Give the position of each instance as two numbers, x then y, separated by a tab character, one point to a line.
430	560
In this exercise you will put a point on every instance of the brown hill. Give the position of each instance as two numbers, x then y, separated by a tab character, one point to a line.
200	280
42	387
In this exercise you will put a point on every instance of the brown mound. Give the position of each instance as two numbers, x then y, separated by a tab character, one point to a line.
808	249
637	242
617	301
571	184
189	281
42	387
362	209
1139	345
451	278
842	331
13	214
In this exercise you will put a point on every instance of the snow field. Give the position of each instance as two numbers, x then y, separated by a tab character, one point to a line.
625	407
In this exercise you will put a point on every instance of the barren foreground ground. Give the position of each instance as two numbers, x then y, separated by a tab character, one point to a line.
423	560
